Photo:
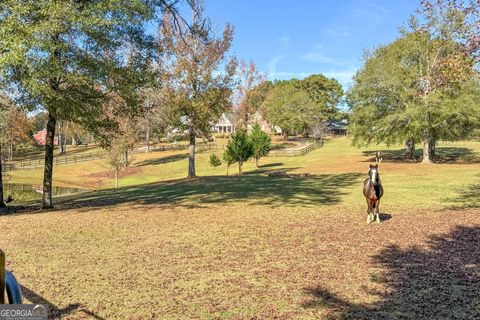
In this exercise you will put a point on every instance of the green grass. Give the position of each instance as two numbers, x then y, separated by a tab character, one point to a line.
254	246
335	166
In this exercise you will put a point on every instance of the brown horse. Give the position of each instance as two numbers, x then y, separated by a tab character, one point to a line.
373	191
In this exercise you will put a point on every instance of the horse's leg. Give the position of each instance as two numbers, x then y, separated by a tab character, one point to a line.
369	209
377	208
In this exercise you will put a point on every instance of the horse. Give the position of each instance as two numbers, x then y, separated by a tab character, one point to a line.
378	157
373	191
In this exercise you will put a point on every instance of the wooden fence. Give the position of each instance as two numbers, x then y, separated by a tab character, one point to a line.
201	147
38	163
296	152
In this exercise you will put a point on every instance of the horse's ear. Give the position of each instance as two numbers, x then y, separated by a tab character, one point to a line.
371	165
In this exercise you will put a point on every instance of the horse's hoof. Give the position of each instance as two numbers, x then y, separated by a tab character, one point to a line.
378	221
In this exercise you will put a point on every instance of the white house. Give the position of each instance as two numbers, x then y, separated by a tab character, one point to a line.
226	123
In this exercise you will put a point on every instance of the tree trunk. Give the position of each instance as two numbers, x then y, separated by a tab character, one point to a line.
191	156
410	150
428	150
2	202
228	167
240	167
48	170
63	143
285	136
256	162
10	152
125	158
116	178
147	149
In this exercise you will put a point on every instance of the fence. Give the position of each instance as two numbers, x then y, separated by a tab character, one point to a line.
296	152
201	147
38	163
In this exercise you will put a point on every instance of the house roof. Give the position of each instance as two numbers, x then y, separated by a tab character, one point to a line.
230	116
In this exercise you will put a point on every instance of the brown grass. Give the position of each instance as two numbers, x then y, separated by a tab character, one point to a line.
234	261
257	247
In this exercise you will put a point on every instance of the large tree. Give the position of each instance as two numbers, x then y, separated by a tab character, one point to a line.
299	106
66	56
287	107
418	88
197	90
249	78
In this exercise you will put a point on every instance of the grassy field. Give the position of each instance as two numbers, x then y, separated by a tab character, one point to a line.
256	247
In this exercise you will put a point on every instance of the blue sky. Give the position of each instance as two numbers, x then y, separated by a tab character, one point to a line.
295	38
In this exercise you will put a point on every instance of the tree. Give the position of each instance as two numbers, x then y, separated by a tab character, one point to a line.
418	88
257	95
261	143
214	161
196	91
249	79
297	106
239	149
116	156
287	107
66	56
229	160
18	129
326	93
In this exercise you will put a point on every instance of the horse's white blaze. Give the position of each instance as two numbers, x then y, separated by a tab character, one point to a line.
374	175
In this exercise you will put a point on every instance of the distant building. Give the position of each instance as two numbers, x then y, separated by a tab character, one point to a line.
264	124
226	123
41	138
338	128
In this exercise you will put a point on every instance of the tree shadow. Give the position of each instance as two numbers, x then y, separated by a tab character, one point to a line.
327	189
163	160
456	155
55	312
442	155
273	164
390	155
468	197
440	282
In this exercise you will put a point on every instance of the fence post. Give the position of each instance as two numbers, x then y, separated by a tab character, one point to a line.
2	277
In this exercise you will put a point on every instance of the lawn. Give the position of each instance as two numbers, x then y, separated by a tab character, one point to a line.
256	247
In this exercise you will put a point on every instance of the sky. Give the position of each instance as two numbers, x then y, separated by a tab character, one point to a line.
295	38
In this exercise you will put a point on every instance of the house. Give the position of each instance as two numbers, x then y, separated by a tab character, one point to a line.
226	123
338	128
264	124
41	138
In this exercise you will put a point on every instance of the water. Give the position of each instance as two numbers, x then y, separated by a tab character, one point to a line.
28	192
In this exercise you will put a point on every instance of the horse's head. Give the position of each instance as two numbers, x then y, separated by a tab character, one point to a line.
373	173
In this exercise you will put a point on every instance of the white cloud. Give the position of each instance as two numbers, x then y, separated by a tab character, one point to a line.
284	42
273	62
344	77
317	55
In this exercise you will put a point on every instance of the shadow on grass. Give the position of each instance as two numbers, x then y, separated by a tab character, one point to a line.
252	189
468	197
55	312
443	155
163	160
441	282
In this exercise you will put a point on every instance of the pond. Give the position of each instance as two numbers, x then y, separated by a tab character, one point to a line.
27	192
